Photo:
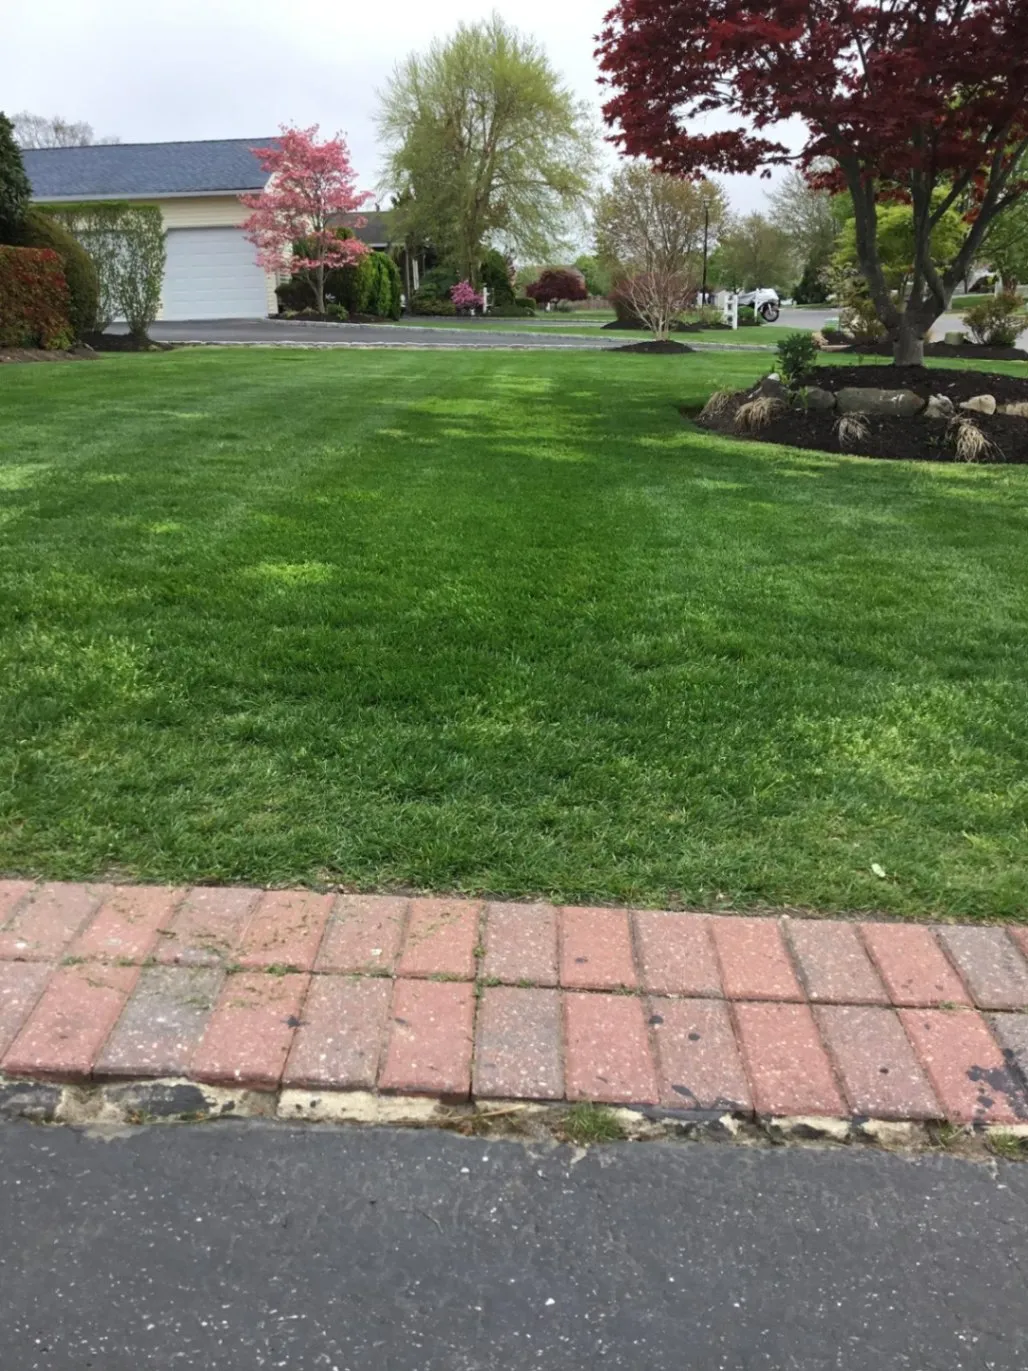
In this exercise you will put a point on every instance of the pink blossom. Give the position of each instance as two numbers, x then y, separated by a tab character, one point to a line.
465	296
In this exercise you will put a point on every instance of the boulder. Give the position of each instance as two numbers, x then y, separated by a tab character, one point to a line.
1017	411
904	404
814	397
980	404
954	340
939	407
772	387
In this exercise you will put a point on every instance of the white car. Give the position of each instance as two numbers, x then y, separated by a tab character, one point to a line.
765	303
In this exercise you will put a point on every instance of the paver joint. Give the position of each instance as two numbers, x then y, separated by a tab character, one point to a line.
456	999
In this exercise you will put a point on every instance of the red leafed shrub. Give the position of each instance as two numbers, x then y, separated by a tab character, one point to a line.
558	283
34	301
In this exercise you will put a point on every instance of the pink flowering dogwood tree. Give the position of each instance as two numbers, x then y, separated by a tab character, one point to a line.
310	184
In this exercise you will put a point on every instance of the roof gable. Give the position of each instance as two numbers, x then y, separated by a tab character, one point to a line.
130	170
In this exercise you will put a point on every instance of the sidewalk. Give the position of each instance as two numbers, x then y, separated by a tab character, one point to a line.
458	999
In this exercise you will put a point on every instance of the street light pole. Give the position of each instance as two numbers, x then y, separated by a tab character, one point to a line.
706	226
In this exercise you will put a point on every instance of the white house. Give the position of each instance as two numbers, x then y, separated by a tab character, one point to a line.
211	271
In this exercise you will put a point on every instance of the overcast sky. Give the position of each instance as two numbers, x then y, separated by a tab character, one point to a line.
149	70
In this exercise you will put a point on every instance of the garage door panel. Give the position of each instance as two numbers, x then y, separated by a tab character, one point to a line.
211	274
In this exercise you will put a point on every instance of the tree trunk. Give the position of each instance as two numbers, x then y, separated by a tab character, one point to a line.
319	288
907	347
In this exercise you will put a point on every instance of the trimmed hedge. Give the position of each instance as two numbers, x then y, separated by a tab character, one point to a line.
422	304
40	231
34	299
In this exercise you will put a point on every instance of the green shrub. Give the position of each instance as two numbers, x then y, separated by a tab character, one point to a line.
859	320
422	304
38	230
997	322
797	354
370	285
748	317
495	274
525	303
509	312
811	288
35	303
437	283
15	191
141	266
295	294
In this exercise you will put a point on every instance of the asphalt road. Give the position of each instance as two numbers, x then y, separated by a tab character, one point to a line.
378	335
249	1246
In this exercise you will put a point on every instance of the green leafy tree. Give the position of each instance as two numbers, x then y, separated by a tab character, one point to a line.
485	144
809	218
753	253
597	276
1006	247
141	272
896	241
495	273
15	191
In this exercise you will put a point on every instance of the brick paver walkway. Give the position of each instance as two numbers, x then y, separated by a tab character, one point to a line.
460	999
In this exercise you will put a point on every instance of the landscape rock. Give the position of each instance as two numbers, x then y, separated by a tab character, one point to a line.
773	387
815	397
954	340
980	404
1018	411
903	404
939	407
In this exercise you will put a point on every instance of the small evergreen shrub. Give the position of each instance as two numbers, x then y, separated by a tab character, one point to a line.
38	230
998	322
797	354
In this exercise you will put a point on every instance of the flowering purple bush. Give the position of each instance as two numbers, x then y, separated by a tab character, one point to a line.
465	296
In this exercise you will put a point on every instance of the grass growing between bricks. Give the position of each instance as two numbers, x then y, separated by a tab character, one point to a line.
499	623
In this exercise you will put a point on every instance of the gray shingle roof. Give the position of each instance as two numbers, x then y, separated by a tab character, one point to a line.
138	169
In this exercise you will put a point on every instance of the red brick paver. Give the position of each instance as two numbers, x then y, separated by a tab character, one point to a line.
285	931
1020	936
521	944
128	924
430	1044
700	1066
788	1067
677	953
518	1047
363	934
754	961
596	949
47	919
163	1023
966	1065
913	965
21	984
991	964
207	927
608	1054
880	1074
339	1042
833	963
251	1031
11	895
441	939
69	1025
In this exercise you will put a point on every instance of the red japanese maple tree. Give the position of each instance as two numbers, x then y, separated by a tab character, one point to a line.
924	100
294	221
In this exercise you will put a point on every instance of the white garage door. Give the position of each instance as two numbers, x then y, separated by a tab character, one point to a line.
211	274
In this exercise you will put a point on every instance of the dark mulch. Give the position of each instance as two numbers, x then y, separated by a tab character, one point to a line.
124	342
655	345
896	439
966	351
43	355
956	384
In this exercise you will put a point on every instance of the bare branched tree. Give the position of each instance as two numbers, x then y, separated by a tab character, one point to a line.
659	296
38	131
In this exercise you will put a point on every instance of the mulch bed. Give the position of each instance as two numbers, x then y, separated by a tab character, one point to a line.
972	352
897	439
663	345
43	355
123	342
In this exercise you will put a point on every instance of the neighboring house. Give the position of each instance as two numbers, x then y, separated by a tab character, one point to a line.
211	271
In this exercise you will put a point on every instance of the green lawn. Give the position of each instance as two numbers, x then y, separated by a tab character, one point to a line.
499	622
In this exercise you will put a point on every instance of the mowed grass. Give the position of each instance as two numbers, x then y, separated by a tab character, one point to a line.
499	623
